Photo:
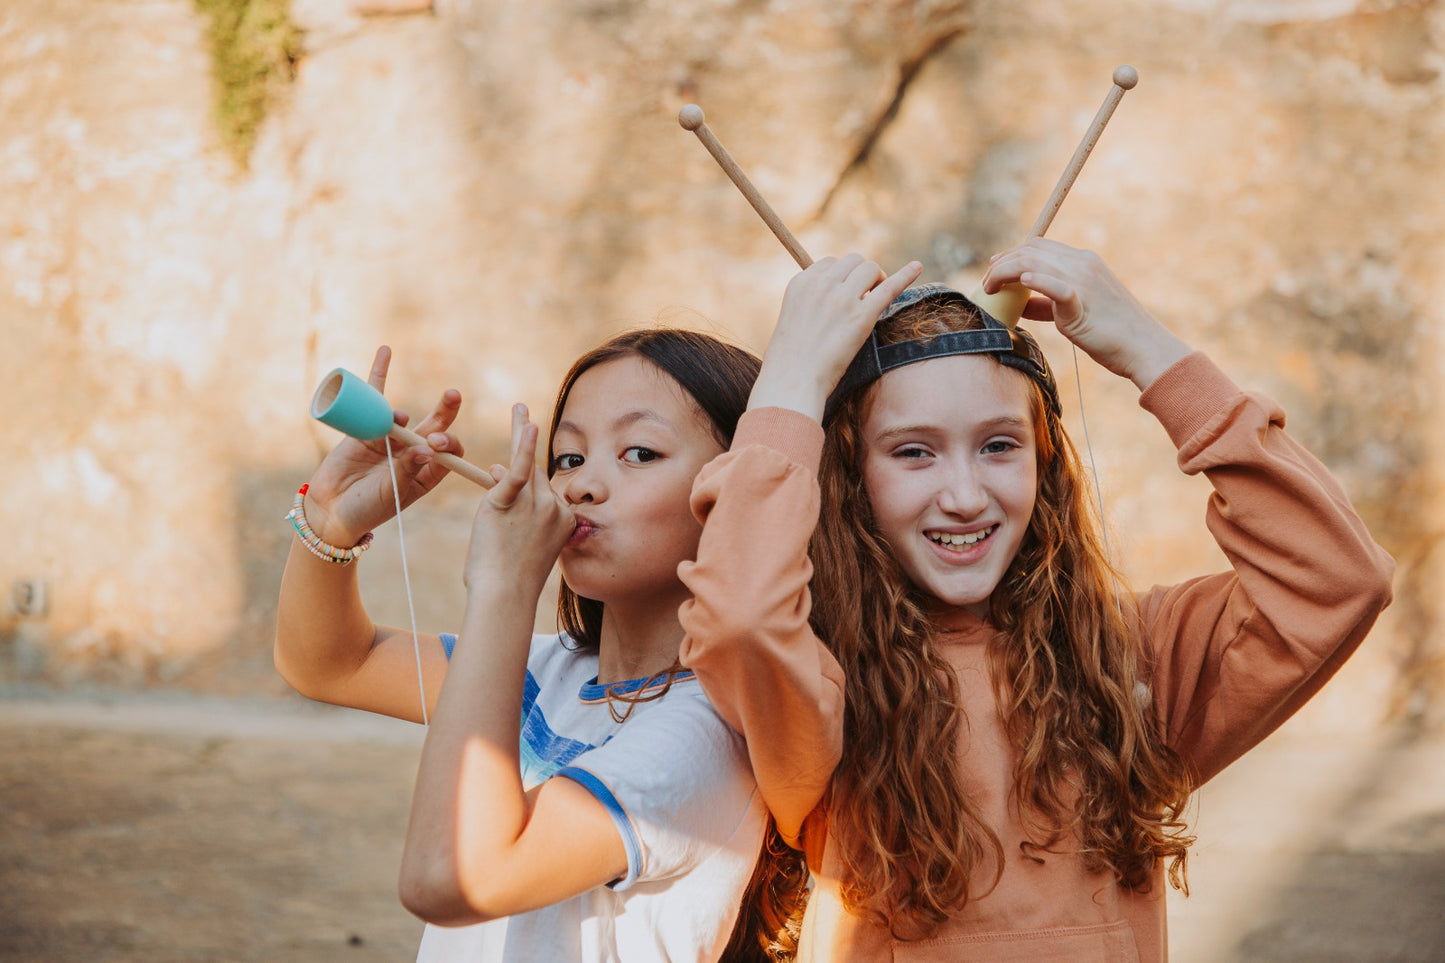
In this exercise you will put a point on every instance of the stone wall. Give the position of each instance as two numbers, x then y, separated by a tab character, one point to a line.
492	186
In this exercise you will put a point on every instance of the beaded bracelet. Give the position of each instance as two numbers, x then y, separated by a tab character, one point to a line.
322	550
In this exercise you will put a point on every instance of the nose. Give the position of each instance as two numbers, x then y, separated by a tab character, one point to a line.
962	493
584	486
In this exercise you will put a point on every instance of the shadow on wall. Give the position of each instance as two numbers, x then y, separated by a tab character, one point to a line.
1373	886
1352	906
243	664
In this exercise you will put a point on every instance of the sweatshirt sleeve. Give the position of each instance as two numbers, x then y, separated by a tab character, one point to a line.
1236	654
746	628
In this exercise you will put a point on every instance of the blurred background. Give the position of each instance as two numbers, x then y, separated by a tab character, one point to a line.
205	205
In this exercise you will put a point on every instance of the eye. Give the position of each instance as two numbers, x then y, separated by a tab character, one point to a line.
638	455
912	453
1001	446
566	461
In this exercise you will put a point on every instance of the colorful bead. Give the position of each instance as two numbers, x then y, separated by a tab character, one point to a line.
313	542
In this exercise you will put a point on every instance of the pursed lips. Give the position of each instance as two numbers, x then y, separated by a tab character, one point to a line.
584	529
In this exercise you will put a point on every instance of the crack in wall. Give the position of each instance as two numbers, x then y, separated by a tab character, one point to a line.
907	72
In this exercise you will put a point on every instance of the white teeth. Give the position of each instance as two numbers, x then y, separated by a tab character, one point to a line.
944	538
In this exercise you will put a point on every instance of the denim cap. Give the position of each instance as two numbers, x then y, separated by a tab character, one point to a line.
1013	347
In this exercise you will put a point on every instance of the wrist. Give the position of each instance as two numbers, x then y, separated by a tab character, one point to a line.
802	395
1165	352
349	550
495	583
325	521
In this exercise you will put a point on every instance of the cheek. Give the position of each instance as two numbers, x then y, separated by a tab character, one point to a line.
894	496
668	514
875	489
1025	490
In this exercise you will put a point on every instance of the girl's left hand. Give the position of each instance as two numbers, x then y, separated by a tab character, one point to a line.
1076	291
521	524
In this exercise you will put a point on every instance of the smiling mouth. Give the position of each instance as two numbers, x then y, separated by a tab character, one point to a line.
955	542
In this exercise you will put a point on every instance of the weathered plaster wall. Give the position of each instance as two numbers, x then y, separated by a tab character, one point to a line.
493	186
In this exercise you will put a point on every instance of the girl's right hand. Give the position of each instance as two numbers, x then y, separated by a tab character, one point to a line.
828	311
351	493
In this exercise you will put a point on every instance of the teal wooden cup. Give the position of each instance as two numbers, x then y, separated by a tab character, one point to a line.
350	405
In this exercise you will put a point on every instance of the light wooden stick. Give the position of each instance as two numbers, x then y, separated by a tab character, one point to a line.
1125	78
691	118
459	466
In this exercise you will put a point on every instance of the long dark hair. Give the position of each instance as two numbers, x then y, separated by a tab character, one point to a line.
718	377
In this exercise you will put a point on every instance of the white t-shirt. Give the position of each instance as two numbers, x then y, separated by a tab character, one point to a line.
675	778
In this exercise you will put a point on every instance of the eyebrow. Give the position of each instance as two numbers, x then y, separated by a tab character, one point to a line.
625	420
1002	421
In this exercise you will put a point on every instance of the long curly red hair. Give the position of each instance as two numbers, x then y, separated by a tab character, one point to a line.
1071	682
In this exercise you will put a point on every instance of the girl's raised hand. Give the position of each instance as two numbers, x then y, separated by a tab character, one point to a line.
521	524
827	313
351	492
1078	293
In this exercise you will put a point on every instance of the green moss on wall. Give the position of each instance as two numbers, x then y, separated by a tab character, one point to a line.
254	47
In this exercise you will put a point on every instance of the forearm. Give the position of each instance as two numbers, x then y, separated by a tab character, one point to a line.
748	637
791	386
469	807
1283	520
323	632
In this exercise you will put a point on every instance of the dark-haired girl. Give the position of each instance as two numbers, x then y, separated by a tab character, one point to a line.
578	798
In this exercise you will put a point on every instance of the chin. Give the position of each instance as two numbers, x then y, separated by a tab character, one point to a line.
582	586
964	601
961	597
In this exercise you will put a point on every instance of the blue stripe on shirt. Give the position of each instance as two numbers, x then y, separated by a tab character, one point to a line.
625	829
543	752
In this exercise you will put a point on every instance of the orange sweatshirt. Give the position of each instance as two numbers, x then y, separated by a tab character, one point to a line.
1235	655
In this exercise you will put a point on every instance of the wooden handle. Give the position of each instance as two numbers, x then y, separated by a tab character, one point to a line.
691	118
409	438
1125	78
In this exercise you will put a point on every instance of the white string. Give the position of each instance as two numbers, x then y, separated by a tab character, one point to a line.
1094	470
406	580
1089	446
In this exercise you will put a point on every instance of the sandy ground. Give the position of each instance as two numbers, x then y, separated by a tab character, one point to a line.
181	828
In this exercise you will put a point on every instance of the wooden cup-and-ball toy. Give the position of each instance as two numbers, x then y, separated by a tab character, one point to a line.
353	407
1007	304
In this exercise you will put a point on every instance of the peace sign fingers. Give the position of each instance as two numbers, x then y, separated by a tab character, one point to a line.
524	455
521	524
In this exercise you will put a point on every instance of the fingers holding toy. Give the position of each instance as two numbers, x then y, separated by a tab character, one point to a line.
1076	291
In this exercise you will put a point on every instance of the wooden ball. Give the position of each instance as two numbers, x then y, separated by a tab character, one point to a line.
1126	77
690	117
